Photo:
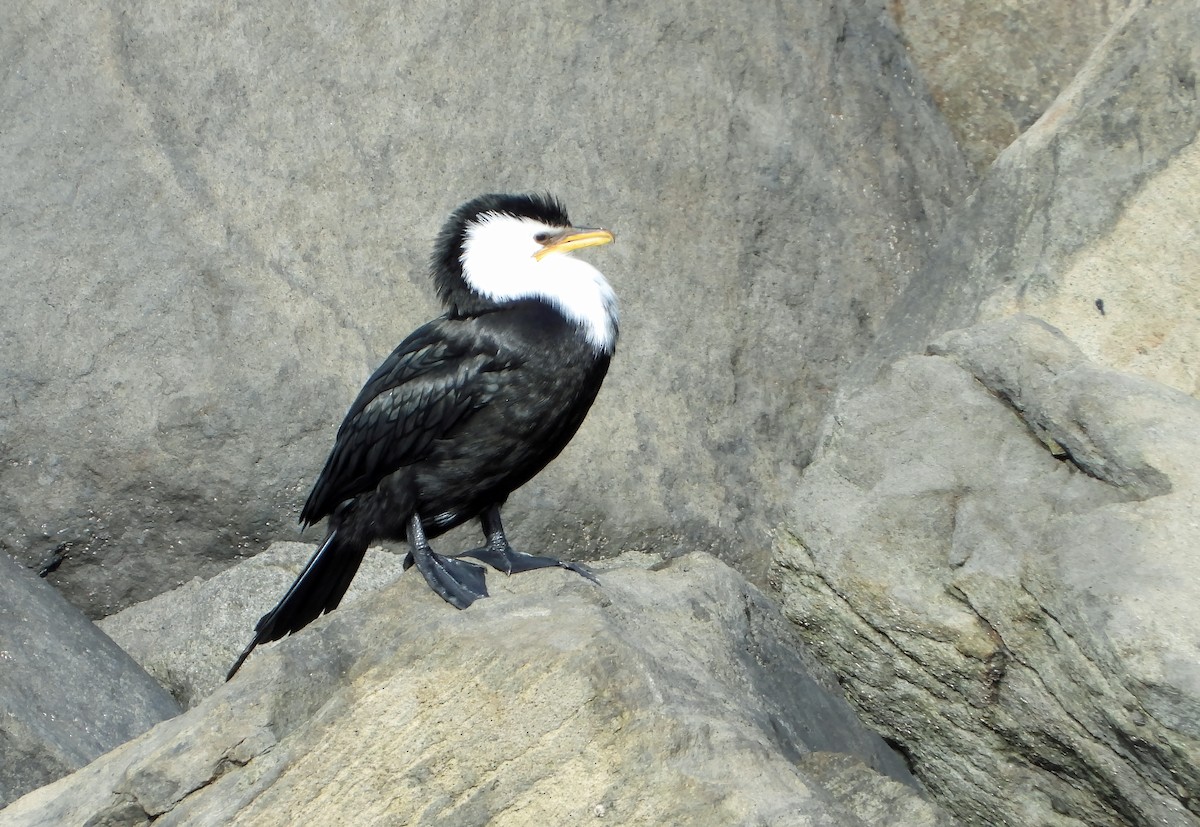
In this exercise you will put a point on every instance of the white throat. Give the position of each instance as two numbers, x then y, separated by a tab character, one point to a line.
498	262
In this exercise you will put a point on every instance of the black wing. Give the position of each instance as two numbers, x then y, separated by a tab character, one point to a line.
429	384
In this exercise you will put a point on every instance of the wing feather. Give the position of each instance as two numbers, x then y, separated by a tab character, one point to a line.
429	384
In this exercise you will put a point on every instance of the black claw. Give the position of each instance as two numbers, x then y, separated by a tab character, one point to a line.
581	569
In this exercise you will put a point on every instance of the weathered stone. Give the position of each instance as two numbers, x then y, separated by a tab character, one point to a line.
1084	220
183	637
995	551
1130	298
215	222
222	213
67	693
994	69
670	694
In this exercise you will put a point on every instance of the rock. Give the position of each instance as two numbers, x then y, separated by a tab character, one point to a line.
224	215
994	546
673	693
1085	220
180	640
995	551
995	70
67	693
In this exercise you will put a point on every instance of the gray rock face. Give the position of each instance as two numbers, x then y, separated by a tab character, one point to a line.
995	550
994	70
215	223
219	220
181	640
1096	201
67	693
669	695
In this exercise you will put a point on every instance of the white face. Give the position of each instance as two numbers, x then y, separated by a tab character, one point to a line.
499	262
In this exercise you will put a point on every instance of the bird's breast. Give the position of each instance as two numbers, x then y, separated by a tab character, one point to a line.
545	382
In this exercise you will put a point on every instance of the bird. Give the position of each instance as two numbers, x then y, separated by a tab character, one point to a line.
466	410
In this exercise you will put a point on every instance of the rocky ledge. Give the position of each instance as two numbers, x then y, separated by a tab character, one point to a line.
674	693
996	550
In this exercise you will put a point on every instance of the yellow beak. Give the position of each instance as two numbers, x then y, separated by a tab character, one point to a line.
575	238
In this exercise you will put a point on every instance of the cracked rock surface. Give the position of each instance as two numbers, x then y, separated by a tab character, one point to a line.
674	693
996	550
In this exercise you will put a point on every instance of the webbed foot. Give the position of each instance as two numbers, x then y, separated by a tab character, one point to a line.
510	561
457	582
503	557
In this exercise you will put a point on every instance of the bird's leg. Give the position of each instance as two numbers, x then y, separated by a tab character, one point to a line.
501	556
457	582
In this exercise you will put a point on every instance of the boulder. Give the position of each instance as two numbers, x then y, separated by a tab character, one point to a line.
68	694
995	550
994	545
672	693
994	70
1086	220
218	219
183	638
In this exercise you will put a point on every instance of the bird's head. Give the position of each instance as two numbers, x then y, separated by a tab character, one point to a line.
499	249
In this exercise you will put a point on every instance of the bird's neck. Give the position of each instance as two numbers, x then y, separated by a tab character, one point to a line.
587	301
571	287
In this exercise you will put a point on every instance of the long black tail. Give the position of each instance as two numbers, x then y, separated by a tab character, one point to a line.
318	589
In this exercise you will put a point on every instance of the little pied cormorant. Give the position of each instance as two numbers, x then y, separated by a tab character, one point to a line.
466	410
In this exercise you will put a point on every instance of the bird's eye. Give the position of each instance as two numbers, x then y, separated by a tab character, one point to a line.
543	237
